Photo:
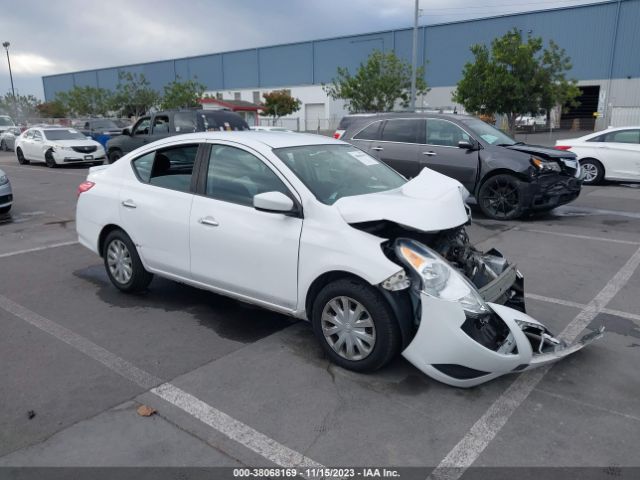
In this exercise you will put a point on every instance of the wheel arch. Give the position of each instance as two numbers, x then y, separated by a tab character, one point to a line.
399	302
499	171
106	230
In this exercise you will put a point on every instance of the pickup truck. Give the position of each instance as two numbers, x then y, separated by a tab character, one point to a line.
167	123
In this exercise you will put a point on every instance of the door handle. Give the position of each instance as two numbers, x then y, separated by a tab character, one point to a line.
377	149
429	154
129	204
210	221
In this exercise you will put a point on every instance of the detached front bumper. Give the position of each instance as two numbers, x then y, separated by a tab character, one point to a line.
549	191
444	350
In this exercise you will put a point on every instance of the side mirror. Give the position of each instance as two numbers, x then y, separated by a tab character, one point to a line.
126	131
275	202
467	145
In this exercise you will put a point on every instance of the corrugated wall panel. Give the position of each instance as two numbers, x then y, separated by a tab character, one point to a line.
159	74
286	65
347	52
85	79
108	78
182	68
55	84
207	70
240	69
627	59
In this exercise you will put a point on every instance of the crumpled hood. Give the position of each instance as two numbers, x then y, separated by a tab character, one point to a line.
545	152
429	202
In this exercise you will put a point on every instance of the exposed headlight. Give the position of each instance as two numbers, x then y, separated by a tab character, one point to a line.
61	147
544	166
4	180
438	278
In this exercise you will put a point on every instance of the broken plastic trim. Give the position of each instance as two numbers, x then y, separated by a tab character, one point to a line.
397	281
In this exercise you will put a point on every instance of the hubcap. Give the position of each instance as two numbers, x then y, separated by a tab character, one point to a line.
348	328
590	172
501	198
119	262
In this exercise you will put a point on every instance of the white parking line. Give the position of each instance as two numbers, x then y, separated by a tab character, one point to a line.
574	235
220	421
567	303
482	433
38	249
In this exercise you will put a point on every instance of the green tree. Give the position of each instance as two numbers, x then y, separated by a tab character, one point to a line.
23	107
279	103
134	96
86	100
182	94
55	109
377	85
516	77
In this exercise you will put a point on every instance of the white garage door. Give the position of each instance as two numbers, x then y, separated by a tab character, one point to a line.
314	116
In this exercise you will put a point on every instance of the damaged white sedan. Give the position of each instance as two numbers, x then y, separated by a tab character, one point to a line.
314	228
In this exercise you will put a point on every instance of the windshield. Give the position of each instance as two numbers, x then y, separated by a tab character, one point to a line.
63	134
6	121
335	171
489	134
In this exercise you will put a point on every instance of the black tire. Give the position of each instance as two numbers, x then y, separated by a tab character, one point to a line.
3	146
21	159
115	155
139	278
49	160
387	340
4	210
499	197
594	171
97	164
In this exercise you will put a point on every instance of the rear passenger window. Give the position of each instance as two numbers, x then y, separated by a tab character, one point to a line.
235	176
624	136
403	131
168	168
372	132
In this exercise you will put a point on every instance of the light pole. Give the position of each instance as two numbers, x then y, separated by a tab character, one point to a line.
414	58
13	93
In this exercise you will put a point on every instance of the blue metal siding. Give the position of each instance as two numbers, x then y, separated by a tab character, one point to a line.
627	58
240	69
286	65
108	78
585	32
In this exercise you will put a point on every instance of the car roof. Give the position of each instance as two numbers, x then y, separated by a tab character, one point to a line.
258	138
359	119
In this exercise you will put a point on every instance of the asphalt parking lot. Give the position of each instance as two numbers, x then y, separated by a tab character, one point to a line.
234	385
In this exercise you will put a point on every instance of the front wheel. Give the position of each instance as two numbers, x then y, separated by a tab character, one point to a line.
3	146
114	155
499	197
593	171
355	325
123	264
4	210
21	159
49	160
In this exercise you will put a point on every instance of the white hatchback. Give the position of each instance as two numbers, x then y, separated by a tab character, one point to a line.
57	146
317	229
612	154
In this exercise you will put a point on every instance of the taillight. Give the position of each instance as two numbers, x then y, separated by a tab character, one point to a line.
562	147
338	135
85	187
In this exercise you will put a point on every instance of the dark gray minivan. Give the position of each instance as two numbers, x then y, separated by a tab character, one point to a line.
507	178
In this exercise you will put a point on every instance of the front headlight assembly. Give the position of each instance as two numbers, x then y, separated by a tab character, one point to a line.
4	180
542	166
438	278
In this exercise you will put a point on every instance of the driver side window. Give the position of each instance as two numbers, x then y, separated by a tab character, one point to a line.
444	133
235	176
142	127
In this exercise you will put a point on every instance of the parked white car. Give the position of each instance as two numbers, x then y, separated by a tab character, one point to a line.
57	146
8	138
6	194
317	229
612	154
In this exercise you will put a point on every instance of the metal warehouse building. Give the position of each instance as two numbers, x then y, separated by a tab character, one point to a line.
603	41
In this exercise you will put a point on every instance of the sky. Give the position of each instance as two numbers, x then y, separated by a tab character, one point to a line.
57	36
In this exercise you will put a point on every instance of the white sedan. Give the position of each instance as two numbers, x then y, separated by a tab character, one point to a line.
57	146
612	154
317	229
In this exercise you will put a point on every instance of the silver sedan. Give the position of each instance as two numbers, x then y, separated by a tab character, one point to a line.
6	195
8	138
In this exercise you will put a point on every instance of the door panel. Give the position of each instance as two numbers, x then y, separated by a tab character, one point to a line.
622	150
442	154
139	135
236	247
155	208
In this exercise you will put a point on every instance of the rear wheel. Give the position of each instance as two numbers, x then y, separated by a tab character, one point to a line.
114	155
355	325
123	264
593	171
4	210
21	159
499	197
49	160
